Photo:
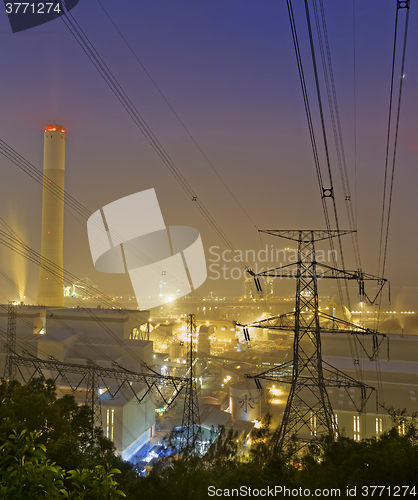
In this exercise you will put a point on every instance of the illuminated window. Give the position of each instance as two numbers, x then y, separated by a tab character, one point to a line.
379	425
135	334
401	429
336	424
356	428
313	424
110	420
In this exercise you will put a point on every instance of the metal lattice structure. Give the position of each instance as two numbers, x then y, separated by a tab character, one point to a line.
91	377
191	432
308	410
93	395
10	367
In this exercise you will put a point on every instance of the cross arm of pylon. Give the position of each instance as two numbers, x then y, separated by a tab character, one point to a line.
332	378
306	234
275	272
336	378
102	372
279	373
334	273
281	322
343	326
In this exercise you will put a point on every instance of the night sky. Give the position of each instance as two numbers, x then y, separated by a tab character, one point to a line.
228	69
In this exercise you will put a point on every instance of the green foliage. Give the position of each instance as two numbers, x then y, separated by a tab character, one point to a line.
26	473
388	461
261	441
36	468
62	427
391	460
93	484
225	448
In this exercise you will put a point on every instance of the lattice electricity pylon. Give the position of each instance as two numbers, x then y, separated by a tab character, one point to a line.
93	395
94	376
10	367
191	431
308	411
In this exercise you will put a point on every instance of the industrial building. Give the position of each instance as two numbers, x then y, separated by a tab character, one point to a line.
109	336
81	336
394	376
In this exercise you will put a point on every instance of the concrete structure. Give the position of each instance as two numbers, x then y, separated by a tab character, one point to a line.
103	336
176	351
235	371
245	403
205	331
51	287
96	322
395	380
126	422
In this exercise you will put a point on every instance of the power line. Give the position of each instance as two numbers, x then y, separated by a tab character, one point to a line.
177	116
339	144
336	125
111	81
388	139
323	191
384	231
355	110
396	135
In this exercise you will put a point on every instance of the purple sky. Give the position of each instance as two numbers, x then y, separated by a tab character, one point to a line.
228	69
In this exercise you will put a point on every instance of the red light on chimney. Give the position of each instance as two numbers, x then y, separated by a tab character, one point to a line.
51	128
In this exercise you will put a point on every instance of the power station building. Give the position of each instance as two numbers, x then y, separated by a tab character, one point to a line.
51	285
79	335
102	336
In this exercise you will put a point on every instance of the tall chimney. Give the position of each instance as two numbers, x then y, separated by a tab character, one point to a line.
51	286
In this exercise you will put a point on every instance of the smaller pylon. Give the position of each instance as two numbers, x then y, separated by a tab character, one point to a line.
191	433
93	395
10	368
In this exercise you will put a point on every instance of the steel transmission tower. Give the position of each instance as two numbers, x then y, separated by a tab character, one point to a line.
191	430
93	395
308	411
94	376
10	368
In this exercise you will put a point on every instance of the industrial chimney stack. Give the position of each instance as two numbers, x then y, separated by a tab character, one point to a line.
51	286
